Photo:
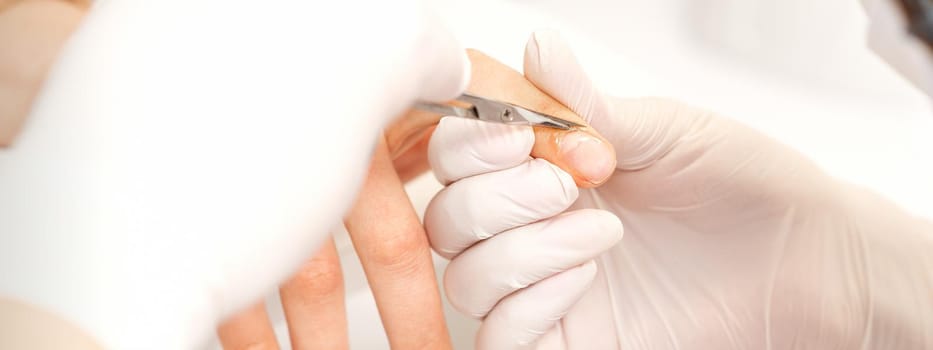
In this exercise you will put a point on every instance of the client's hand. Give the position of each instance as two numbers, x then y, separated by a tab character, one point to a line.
389	238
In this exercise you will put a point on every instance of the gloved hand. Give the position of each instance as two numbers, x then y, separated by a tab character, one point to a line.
390	240
733	240
185	157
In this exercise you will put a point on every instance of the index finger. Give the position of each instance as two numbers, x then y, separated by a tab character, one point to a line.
393	249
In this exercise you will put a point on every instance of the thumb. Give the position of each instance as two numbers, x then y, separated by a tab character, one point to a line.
642	130
551	66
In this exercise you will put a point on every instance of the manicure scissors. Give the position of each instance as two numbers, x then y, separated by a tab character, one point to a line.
495	111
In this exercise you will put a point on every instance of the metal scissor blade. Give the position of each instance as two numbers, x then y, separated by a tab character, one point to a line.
538	119
496	112
507	113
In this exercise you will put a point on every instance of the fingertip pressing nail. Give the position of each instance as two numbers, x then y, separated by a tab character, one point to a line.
590	157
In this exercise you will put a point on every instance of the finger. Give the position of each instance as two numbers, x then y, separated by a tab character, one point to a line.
581	152
479	207
479	277
640	129
551	66
313	301
520	319
393	250
462	148
31	35
249	329
414	160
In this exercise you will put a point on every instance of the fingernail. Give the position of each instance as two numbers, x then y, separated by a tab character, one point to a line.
589	156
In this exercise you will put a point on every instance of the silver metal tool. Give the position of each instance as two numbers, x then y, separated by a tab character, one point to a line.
495	111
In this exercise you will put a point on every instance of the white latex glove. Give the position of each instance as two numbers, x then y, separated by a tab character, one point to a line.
733	240
510	207
187	156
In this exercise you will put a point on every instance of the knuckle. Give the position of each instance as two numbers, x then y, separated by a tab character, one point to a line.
403	253
319	277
